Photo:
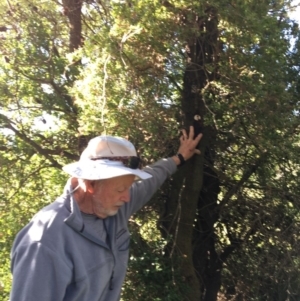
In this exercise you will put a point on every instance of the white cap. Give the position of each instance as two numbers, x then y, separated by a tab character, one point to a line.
94	163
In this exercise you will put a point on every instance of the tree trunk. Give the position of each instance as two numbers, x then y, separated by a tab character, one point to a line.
206	259
184	205
72	9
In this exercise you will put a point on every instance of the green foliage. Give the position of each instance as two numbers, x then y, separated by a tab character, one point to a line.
150	275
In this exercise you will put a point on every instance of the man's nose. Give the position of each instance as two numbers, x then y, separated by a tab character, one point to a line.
126	197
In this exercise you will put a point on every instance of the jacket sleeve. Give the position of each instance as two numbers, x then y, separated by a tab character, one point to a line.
38	274
142	191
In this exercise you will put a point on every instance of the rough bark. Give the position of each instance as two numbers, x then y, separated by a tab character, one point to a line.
206	259
72	9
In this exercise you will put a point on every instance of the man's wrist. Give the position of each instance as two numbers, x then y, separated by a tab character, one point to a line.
179	159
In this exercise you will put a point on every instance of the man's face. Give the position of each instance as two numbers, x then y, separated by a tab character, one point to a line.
110	194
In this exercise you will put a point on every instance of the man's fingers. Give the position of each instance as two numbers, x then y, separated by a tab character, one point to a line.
188	143
184	134
191	133
198	138
190	136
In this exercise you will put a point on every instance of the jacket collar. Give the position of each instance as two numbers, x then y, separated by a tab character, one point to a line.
74	220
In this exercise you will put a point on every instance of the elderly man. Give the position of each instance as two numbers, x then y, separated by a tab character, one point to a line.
76	249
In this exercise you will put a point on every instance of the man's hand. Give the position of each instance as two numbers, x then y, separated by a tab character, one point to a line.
187	146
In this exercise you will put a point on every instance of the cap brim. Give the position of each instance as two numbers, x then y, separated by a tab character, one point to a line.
96	170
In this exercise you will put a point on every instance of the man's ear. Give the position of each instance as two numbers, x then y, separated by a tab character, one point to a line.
74	183
90	186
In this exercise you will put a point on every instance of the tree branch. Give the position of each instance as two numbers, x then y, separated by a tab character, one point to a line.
33	144
247	174
175	84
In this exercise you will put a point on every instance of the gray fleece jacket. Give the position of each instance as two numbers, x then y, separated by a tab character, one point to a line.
56	258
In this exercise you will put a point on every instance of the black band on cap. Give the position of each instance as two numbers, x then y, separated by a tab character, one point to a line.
131	162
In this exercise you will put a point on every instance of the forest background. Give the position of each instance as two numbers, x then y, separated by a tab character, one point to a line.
226	225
